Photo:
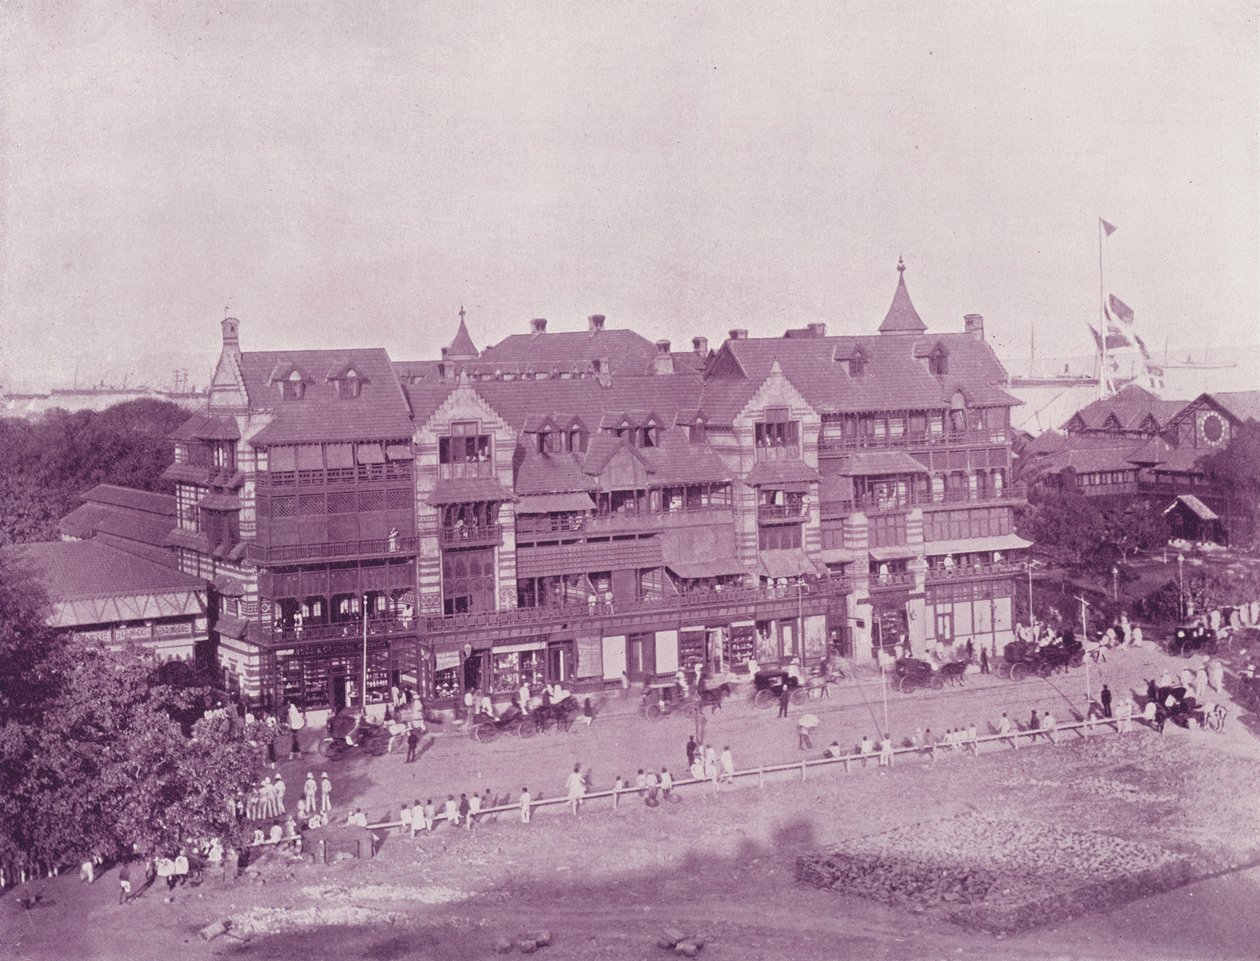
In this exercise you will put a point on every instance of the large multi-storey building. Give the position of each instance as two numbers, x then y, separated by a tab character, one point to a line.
578	505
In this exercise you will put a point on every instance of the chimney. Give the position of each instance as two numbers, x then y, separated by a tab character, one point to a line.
538	325
231	335
974	324
818	329
663	363
700	345
445	351
595	323
738	333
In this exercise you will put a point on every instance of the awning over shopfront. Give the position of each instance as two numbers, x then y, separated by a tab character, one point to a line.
465	490
717	567
789	563
897	553
972	545
554	503
836	555
879	463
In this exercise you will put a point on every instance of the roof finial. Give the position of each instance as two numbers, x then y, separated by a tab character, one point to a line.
901	265
461	313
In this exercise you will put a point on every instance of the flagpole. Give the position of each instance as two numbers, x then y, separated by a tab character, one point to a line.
1102	317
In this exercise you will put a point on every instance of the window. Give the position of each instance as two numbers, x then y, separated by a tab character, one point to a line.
888	531
293	387
465	445
779	538
857	364
350	386
777	430
938	361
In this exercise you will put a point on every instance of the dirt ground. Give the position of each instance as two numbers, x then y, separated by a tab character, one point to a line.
604	883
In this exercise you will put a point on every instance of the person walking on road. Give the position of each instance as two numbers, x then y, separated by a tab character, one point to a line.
525	805
867	749
984	661
575	788
309	789
785	696
325	793
413	742
886	756
728	765
692	747
1105	697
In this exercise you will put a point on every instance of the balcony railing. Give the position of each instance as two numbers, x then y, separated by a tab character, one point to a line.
779	452
892	579
535	525
998	435
470	535
964	571
364	473
287	553
782	512
376	626
692	604
469	468
871	503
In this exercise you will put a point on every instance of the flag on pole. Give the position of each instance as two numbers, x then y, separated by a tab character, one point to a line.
1121	310
1108	229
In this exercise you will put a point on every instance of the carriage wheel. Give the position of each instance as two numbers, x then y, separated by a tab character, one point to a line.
1019	670
799	696
937	682
332	748
905	684
377	745
1003	670
527	728
1187	648
654	712
763	699
751	696
485	733
690	708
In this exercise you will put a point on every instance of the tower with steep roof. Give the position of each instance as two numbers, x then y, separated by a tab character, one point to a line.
462	347
902	318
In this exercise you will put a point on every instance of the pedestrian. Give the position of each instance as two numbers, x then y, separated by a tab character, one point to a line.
803	742
700	723
785	696
1048	724
710	763
692	747
474	809
277	792
886	755
215	858
430	815
973	739
971	651
728	765
588	712
984	661
295	749
1105	697
625	685
87	870
1124	714
640	782
464	809
165	868
1149	713
450	811
867	748
1034	725
404	817
575	788
309	789
1216	674
619	785
413	742
929	744
1201	682
325	793
181	867
667	783
524	803
124	883
416	817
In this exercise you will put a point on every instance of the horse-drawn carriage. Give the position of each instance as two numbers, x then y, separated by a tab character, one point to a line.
767	686
1020	659
1192	639
347	731
912	673
560	713
486	727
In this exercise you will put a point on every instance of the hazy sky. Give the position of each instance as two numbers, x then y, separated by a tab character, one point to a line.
349	173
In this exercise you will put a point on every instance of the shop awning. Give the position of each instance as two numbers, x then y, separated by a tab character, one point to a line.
717	567
789	563
899	552
554	503
465	490
881	462
370	454
774	473
835	555
972	545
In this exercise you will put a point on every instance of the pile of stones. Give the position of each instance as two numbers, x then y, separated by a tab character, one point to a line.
678	941
525	943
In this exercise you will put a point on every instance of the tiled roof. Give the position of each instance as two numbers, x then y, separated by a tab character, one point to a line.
379	412
550	473
766	472
460	490
893	377
79	569
788	563
462	347
1090	460
1130	407
626	351
876	462
131	499
998	542
1196	506
554	503
131	520
1243	404
677	461
202	426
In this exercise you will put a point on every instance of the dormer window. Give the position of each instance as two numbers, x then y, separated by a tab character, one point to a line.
938	361
349	386
697	434
293	387
857	363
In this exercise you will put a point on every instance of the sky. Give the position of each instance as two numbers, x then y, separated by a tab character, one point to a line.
349	174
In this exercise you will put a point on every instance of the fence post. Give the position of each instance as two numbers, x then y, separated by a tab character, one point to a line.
802	770
761	777
846	764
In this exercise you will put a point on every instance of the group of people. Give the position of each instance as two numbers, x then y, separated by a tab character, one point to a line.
198	861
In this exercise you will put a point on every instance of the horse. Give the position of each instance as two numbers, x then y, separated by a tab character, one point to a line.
953	672
713	697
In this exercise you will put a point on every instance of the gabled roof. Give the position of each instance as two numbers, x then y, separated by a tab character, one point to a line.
80	569
462	347
1129	409
626	351
134	521
379	412
1196	507
902	318
1242	404
550	474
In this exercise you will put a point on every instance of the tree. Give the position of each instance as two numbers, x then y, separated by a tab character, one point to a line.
93	755
1065	528
1129	526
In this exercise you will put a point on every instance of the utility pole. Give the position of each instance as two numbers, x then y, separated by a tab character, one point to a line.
1085	640
363	695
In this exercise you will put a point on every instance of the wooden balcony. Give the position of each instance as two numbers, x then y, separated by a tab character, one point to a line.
544	526
363	474
845	445
812	598
336	550
782	513
784	452
962	572
347	629
870	504
892	580
470	535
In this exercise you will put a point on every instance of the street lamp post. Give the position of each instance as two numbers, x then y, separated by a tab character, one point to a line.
1085	640
1032	619
363	694
1181	590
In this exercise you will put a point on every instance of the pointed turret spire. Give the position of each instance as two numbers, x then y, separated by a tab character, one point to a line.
462	347
902	318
